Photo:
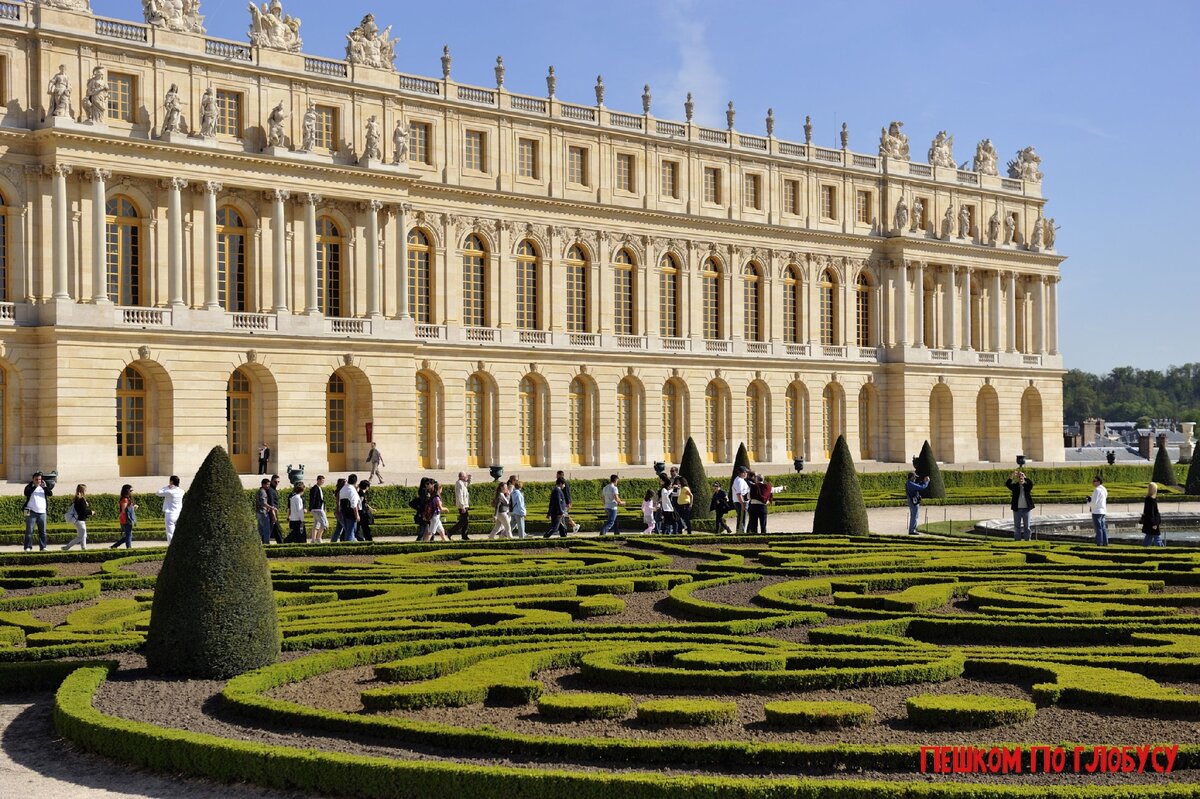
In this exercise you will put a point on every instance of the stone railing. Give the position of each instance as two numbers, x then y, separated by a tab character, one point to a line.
323	66
833	351
533	105
583	339
437	332
941	355
714	136
117	29
233	51
676	344
11	11
481	334
414	83
144	317
920	170
471	94
758	347
830	156
865	161
669	128
252	321
533	337
796	349
578	112
717	345
752	142
8	311
868	353
788	148
987	357
1031	360
967	178
625	121
631	342
347	326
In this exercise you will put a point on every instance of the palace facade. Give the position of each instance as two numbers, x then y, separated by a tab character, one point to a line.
234	243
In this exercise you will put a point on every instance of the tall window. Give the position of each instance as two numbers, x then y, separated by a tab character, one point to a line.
1021	319
474	287
329	267
131	422
712	185
862	306
527	158
239	436
791	196
716	422
229	113
829	308
866	422
474	154
123	252
623	302
577	165
477	421
530	425
122	96
625	172
231	260
626	422
335	422
327	127
862	207
4	291
831	417
670	179
977	321
668	297
577	299
756	422
419	275
418	142
427	424
753	193
581	422
929	313
752	287
792	314
672	423
796	421
829	202
527	286
710	280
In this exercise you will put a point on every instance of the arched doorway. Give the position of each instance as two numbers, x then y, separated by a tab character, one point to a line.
941	423
717	408
674	410
239	421
868	423
833	416
429	421
796	421
758	410
531	395
582	399
336	422
479	419
132	403
1031	424
987	424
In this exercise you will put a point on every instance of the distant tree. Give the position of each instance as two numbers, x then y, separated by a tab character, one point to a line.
926	466
840	506
742	458
691	468
1164	472
1193	478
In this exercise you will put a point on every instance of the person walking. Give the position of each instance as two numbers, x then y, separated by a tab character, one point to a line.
276	504
339	527
262	510
126	516
462	500
739	492
264	457
518	512
366	513
37	497
683	505
612	504
417	503
761	493
502	504
172	496
912	492
296	533
1151	518
719	506
1022	503
568	522
666	506
348	500
81	511
648	511
433	512
375	458
316	506
1098	502
557	510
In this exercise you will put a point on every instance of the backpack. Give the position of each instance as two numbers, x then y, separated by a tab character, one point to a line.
760	492
70	517
428	508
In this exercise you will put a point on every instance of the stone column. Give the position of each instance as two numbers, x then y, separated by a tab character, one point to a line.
902	303
967	342
1053	321
279	244
59	174
372	208
994	327
174	187
951	338
309	201
402	210
919	296
1039	316
211	300
1011	344
99	231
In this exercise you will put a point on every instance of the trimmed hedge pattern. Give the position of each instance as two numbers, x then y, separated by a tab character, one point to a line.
967	710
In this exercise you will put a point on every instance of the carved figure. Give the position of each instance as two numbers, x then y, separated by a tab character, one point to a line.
374	139
941	151
845	135
175	15
893	143
1051	233
985	158
367	45
689	107
808	130
964	222
1025	165
948	222
599	90
208	114
275	134
994	227
60	94
399	142
308	128
68	5
1039	232
172	116
551	82
95	101
918	214
1010	229
901	215
270	27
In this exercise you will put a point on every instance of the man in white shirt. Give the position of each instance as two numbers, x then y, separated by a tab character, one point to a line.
36	495
740	493
462	500
612	501
1099	502
348	500
172	496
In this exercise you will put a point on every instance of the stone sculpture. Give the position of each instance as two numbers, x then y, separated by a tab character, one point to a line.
1051	233
893	143
271	28
599	90
808	130
60	94
371	47
499	70
182	16
372	149
994	227
308	128
399	143
68	5
551	82
985	158
95	101
964	223
275	134
1010	229
208	114
941	151
1039	232
948	222
845	135
447	62
901	215
1025	165
689	107
172	114
646	99
918	214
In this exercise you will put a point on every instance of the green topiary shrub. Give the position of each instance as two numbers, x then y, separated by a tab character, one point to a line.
741	459
926	466
840	506
1164	472
691	468
573	707
1193	478
967	710
685	712
719	659
214	610
802	713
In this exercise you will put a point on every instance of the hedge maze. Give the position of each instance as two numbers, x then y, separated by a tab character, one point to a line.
712	667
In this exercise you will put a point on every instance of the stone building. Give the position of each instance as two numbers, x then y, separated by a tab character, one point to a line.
235	243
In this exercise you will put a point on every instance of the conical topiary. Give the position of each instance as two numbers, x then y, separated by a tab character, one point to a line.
1164	472
214	609
1192	486
691	468
840	506
926	466
741	459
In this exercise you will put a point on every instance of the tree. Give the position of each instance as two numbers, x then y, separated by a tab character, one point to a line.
926	466
1193	479
840	506
742	458
691	468
1164	472
214	609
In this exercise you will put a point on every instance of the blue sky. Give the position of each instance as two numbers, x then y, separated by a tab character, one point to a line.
1107	92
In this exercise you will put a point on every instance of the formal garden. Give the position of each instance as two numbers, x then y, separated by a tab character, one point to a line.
705	666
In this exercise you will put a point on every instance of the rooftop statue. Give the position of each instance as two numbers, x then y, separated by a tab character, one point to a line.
60	94
270	27
985	158
373	150
1025	165
308	128
893	143
208	114
174	15
369	46
95	101
172	114
941	152
275	134
400	143
1051	233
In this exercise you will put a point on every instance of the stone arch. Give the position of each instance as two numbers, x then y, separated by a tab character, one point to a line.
718	421
587	250
636	252
675	415
987	424
533	419
481	418
630	417
430	230
1031	424
796	413
758	421
485	238
261	420
941	423
346	414
539	243
145	441
870	433
10	423
430	395
583	423
833	415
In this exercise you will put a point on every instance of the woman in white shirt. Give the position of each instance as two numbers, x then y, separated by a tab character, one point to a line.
296	534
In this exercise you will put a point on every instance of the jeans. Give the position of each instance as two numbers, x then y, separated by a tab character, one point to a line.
683	516
742	518
914	510
349	526
518	525
610	522
1021	524
758	519
1100	522
264	527
80	536
40	520
126	537
669	525
721	525
1153	541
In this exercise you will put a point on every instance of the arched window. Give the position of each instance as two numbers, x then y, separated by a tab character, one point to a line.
527	286
239	435
577	294
428	423
477	420
329	267
929	313
756	422
1032	426
623	299
752	302
420	273
529	401
987	424
796	421
867	413
627	422
131	422
474	287
673	410
862	307
793	315
123	252
832	416
710	280
231	260
941	423
668	297
335	422
830	312
581	423
716	422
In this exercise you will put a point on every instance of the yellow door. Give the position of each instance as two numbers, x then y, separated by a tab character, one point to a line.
131	423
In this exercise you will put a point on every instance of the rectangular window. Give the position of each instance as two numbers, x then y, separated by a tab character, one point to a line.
863	207
473	151
712	185
121	96
791	196
670	179
527	158
753	194
418	142
625	172
577	166
829	202
327	127
229	113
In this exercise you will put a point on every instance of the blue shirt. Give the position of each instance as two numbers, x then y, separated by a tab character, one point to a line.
913	490
518	502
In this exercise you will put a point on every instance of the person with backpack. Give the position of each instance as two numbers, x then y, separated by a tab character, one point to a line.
432	512
761	492
417	503
366	514
78	514
719	505
126	516
912	492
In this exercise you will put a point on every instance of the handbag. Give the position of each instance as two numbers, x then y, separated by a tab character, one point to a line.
70	517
